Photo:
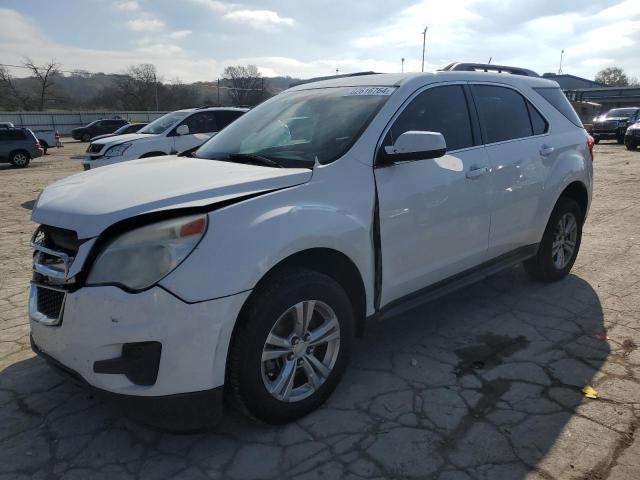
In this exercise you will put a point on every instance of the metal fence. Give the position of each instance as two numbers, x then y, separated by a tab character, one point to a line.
64	122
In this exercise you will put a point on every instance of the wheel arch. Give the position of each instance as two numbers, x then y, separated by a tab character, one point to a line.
332	263
577	191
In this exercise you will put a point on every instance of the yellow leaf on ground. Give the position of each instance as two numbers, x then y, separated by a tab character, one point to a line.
590	392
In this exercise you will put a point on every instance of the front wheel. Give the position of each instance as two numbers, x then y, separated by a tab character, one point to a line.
630	145
291	347
560	243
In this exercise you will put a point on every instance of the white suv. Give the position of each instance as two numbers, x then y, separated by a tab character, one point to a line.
250	267
172	133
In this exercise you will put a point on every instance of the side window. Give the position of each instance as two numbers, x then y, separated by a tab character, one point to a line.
503	113
438	109
538	123
17	135
4	135
202	122
225	118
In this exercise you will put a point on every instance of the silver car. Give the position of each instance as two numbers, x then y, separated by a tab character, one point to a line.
18	146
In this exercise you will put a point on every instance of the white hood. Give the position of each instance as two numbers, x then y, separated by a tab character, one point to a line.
91	201
127	137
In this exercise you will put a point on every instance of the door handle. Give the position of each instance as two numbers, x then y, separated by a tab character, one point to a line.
474	173
546	150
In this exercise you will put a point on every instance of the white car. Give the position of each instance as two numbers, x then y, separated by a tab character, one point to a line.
249	268
172	133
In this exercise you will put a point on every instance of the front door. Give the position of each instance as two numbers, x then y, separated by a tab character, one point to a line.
434	213
202	126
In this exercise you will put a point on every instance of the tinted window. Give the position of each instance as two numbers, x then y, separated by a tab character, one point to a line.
439	109
4	135
503	113
225	118
17	135
559	101
202	122
538	122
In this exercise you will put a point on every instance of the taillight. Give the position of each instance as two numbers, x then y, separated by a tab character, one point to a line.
590	144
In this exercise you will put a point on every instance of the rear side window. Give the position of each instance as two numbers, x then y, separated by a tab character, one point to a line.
559	101
438	109
16	135
503	113
538	123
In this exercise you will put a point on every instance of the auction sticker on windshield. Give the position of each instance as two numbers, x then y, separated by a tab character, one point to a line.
370	91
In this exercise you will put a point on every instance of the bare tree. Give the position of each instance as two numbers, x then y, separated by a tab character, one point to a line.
246	84
139	87
613	77
11	96
45	75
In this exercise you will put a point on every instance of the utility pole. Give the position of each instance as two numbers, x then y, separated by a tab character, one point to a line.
219	93
560	67
155	84
424	42
402	60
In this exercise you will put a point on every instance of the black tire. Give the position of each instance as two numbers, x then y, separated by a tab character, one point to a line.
44	145
245	387
596	139
630	145
86	137
20	159
542	267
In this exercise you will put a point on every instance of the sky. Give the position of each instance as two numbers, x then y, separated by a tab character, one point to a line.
194	40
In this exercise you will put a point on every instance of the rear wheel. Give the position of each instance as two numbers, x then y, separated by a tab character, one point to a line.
20	159
560	243
291	347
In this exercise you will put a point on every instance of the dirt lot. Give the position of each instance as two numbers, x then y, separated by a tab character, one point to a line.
483	384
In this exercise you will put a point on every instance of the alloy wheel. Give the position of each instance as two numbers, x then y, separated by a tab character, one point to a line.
20	159
564	243
300	351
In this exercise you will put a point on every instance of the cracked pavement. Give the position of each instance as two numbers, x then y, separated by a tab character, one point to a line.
483	384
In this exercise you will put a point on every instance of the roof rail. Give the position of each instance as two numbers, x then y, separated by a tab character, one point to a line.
202	107
486	67
329	77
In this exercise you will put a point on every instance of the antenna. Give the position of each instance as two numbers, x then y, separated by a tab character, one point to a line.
424	41
489	62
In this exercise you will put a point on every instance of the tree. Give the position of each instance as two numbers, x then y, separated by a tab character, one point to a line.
613	77
139	88
11	96
246	84
45	75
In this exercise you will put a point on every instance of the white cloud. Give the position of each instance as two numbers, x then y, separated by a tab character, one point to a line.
264	19
180	34
145	24
127	5
259	19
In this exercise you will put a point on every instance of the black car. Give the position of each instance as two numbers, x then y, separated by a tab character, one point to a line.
98	127
613	124
123	130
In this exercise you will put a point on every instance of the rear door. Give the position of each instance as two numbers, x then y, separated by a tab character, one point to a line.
202	126
521	152
434	213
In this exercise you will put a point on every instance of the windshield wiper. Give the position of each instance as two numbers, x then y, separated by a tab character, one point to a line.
252	157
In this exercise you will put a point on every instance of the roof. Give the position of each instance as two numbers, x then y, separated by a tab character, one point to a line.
208	109
398	79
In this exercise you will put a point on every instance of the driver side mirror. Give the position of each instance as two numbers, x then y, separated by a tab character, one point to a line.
182	130
414	145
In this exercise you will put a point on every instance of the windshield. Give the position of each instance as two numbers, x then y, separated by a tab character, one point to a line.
621	112
122	129
159	125
295	128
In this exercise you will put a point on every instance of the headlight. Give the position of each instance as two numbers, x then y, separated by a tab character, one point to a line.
142	257
117	150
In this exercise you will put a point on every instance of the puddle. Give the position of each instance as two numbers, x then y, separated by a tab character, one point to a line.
490	351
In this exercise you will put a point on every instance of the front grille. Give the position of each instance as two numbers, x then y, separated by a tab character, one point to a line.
50	302
94	148
54	252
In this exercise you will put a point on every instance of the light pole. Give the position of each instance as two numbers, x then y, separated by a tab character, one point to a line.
560	67
424	41
402	60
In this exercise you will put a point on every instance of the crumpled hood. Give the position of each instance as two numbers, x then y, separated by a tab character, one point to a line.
91	201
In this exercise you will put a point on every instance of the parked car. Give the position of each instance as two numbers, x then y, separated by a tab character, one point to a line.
172	133
18	146
6	125
632	136
47	138
248	268
613	124
128	128
97	127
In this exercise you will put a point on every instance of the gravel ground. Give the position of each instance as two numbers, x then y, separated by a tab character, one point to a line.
483	384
